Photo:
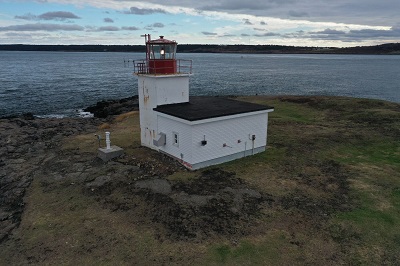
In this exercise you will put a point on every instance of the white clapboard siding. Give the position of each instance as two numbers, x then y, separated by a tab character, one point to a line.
234	131
169	127
154	90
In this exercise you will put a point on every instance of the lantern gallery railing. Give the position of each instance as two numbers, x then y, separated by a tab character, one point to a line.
178	66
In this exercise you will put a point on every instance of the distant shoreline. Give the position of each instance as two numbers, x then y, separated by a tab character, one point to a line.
383	49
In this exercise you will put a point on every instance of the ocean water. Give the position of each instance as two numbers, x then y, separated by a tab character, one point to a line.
62	83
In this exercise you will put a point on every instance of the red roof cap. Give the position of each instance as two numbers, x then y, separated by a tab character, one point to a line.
162	40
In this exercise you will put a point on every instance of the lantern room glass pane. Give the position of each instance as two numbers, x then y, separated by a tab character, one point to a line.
162	51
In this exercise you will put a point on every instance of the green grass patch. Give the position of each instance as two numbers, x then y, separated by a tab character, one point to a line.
369	217
247	253
380	152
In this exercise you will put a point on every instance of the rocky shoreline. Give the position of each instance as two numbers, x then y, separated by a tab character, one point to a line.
27	144
103	109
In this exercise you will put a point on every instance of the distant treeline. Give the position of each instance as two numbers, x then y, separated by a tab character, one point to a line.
389	48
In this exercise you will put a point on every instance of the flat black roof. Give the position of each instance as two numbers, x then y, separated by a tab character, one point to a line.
203	107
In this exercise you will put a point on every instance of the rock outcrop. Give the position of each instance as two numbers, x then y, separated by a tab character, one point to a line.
26	145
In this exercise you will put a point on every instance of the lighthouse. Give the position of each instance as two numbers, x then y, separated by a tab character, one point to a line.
162	79
197	131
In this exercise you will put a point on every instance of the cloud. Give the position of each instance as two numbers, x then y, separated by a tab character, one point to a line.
298	14
209	33
107	28
228	35
110	28
267	34
370	12
27	16
108	20
158	25
18	35
235	5
154	25
144	11
132	28
42	27
247	22
330	31
292	21
371	34
352	35
57	15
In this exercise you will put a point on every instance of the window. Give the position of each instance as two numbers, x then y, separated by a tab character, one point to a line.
175	138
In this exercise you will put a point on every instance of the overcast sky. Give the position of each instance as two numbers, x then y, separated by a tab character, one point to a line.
338	23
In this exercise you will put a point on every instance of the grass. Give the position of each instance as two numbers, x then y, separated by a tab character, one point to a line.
331	170
125	132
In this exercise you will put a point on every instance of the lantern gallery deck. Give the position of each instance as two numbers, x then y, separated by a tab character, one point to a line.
203	107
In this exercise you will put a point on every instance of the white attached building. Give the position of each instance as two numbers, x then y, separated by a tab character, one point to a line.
197	131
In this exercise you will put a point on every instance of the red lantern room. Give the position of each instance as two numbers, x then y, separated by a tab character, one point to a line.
161	55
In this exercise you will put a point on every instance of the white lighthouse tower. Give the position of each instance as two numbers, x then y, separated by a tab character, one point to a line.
162	79
197	131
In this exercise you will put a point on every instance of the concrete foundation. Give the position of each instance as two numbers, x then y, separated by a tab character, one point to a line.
108	154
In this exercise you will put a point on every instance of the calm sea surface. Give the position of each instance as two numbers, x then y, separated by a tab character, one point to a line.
58	83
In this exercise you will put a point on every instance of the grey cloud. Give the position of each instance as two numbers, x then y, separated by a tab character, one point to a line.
232	6
263	23
132	28
57	15
155	25
298	14
369	12
368	33
144	11
258	29
18	35
209	33
329	31
268	34
244	35
353	35
158	25
42	27
27	16
247	22
108	28
236	5
108	20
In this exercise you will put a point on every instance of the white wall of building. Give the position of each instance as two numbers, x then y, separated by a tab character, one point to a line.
169	126
234	131
156	90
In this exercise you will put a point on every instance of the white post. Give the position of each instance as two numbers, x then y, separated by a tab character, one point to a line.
108	142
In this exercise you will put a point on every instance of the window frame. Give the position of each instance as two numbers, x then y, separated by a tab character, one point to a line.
175	139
